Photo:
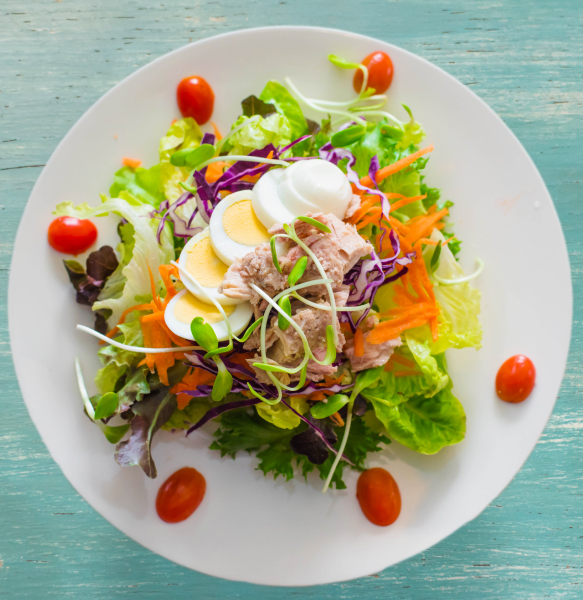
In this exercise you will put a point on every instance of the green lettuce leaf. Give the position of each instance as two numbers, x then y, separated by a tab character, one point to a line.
433	367
423	424
184	133
258	132
144	184
280	415
131	334
147	253
287	105
460	303
107	377
135	387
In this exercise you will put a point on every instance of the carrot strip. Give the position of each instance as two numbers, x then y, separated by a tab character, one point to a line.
193	378
428	242
380	335
157	316
425	225
434	328
400	227
358	342
402	360
424	277
406	373
215	170
217	132
175	338
142	362
133	163
155	299
336	418
400	203
395	167
361	212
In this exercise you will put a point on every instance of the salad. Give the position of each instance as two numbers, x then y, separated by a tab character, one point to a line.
294	281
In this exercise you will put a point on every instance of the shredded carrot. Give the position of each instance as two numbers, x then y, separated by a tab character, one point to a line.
193	378
447	241
215	170
155	298
157	316
389	366
173	121
402	360
165	272
428	242
434	328
405	373
358	342
336	418
400	203
317	396
400	227
133	163
395	167
124	314
420	264
217	132
424	226
142	362
372	216
382	334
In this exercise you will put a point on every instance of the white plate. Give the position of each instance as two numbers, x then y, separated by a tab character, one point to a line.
248	527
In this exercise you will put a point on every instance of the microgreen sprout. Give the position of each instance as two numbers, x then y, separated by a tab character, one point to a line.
298	270
285	305
475	274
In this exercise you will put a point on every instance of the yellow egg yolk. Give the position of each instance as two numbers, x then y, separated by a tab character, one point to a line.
242	225
189	307
204	265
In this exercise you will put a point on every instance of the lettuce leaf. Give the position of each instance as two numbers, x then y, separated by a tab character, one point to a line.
146	254
423	424
460	304
258	132
184	133
280	415
144	184
287	105
433	367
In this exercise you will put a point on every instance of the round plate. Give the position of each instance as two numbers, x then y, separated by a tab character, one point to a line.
248	527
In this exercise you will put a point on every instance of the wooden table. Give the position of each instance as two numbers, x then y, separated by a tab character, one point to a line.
523	57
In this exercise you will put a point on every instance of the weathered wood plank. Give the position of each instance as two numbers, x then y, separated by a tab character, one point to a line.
523	58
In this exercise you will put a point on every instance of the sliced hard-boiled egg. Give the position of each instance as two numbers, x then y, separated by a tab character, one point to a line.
200	261
312	185
235	229
184	307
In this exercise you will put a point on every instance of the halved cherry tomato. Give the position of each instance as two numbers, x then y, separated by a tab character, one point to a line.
380	72
379	497
180	495
515	379
71	235
195	99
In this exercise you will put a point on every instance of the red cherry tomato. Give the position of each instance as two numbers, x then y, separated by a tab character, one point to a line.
71	235
195	99
515	379
380	73
379	497
180	495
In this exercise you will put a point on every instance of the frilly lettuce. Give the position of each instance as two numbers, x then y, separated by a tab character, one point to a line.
460	303
259	131
423	424
280	415
184	133
144	184
146	252
276	94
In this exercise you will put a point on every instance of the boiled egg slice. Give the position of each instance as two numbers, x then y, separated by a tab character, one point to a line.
234	227
184	307
312	185
200	261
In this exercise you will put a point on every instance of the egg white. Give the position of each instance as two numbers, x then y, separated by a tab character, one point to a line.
212	291
238	319
225	247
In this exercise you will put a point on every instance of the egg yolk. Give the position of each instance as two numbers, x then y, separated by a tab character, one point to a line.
204	265
242	225
189	307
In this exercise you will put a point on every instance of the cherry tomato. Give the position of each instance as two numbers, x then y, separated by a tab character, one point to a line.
379	497
515	379
380	73
195	99
71	235
180	495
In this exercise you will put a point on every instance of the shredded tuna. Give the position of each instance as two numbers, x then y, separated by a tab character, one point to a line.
353	206
337	252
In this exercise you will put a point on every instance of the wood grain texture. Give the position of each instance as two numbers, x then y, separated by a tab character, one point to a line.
522	57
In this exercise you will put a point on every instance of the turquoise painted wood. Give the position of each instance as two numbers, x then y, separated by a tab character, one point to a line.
523	57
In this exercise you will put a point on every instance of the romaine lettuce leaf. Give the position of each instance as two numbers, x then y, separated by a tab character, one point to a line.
460	303
287	105
144	184
258	132
423	424
184	133
434	368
